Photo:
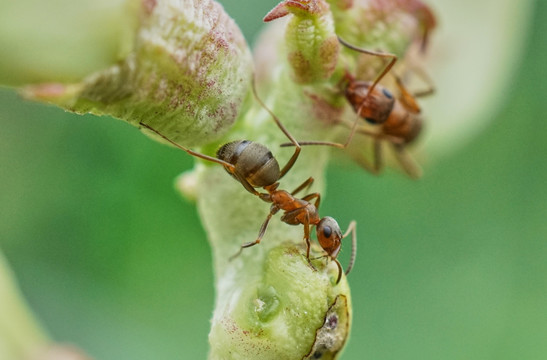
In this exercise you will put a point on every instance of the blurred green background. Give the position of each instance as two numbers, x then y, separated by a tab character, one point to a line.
453	266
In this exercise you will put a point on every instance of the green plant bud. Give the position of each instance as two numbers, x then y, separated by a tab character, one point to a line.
285	309
311	44
186	75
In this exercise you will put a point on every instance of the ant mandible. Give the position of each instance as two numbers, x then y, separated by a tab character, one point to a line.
254	166
399	121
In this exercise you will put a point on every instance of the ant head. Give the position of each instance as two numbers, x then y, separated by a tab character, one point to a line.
329	236
374	106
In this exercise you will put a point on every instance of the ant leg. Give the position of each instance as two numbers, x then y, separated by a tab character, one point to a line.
393	58
307	238
420	72
339	271
306	184
352	229
298	216
315	196
297	148
261	233
229	167
407	98
410	167
245	183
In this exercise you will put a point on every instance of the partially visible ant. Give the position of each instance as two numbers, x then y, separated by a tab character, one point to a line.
398	120
254	166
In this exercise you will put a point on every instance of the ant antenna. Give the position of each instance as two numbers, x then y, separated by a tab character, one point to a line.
297	149
393	58
352	228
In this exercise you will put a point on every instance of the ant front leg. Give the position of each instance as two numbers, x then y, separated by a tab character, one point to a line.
300	216
306	223
307	238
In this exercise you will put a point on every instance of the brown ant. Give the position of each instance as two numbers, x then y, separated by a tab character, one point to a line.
398	120
303	212
254	166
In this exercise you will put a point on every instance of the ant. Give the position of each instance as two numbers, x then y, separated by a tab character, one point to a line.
303	212
398	120
254	166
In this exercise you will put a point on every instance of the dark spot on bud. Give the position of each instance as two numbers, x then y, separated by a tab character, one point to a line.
332	322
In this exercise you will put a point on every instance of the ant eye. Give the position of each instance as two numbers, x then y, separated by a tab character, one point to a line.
371	121
327	231
387	94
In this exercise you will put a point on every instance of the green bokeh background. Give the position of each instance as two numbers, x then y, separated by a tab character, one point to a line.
453	266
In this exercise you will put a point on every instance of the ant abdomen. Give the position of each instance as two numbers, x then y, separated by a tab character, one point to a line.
252	161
